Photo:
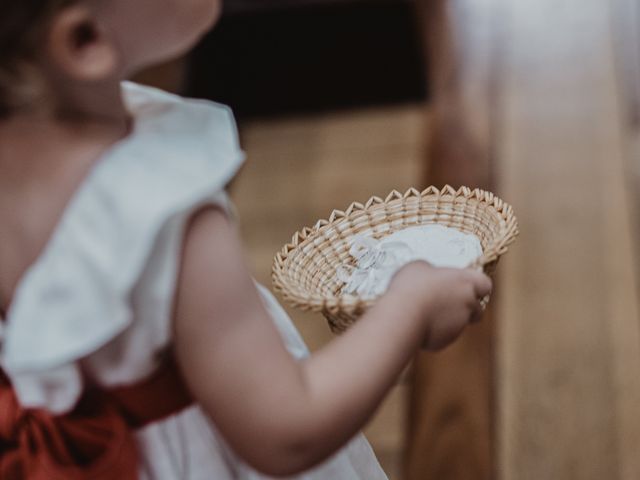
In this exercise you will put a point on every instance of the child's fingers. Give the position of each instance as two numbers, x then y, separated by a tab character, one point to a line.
478	310
481	283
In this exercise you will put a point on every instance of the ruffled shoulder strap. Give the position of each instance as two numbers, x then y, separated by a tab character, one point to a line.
76	297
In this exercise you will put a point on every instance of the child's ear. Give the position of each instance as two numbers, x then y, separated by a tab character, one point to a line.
79	47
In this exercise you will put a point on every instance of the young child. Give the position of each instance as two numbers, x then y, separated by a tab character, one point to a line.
134	342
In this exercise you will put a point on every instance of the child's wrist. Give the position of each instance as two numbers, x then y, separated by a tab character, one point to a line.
410	281
410	290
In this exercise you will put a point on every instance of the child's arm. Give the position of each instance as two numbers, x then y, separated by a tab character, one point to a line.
284	416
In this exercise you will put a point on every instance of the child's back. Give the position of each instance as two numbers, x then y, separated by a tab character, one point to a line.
119	261
41	166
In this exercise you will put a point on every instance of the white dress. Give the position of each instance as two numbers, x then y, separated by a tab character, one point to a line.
99	297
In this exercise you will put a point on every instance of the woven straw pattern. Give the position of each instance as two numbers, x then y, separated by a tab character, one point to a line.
304	271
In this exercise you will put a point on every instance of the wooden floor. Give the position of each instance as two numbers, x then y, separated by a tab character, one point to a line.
298	171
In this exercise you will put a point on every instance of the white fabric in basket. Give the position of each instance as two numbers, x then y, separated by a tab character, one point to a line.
376	261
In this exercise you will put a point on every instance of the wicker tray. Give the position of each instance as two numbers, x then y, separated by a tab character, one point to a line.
304	271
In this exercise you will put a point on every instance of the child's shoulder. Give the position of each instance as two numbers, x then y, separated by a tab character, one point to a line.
180	152
177	133
204	116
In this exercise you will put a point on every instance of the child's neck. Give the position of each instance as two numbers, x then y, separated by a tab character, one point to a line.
87	120
100	104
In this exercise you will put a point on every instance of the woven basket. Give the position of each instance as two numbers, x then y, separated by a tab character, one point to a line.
304	271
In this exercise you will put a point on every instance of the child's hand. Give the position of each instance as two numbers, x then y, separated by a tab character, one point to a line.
447	299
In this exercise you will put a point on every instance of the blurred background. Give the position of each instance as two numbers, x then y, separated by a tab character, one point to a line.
536	100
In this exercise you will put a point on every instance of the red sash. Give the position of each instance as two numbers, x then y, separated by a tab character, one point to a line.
93	442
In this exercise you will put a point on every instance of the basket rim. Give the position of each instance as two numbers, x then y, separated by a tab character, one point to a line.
354	304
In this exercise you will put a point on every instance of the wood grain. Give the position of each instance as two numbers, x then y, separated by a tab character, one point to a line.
451	405
626	37
569	355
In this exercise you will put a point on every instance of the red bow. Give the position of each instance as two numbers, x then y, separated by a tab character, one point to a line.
93	442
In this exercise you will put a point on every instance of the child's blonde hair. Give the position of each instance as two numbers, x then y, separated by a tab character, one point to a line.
23	24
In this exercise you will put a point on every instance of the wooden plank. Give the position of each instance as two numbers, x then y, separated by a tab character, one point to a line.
626	31
451	431
622	312
569	360
626	27
462	39
625	229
